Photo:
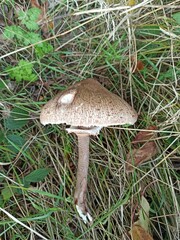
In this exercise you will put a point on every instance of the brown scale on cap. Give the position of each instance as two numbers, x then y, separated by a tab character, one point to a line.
87	103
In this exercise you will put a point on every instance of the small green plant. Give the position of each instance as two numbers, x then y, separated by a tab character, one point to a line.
11	139
42	49
34	177
23	34
29	18
23	71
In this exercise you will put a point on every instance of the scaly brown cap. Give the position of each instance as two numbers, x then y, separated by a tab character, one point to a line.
87	103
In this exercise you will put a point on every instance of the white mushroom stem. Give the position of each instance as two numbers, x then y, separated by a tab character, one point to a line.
82	173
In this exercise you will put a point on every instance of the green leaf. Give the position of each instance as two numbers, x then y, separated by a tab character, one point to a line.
14	142
32	25
18	118
42	49
2	137
34	13
8	192
2	84
19	33
1	201
9	32
29	18
176	17
33	37
23	37
23	71
37	175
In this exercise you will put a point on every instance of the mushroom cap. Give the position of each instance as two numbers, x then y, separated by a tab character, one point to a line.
87	103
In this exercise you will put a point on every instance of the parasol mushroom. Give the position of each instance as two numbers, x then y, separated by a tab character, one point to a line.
87	107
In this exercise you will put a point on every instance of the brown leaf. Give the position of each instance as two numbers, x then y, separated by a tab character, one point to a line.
137	64
41	98
144	136
137	156
142	154
138	233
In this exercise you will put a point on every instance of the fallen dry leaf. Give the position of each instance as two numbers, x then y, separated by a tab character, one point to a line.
137	156
137	64
138	233
139	230
144	136
142	154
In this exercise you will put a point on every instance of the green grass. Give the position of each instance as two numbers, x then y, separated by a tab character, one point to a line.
90	44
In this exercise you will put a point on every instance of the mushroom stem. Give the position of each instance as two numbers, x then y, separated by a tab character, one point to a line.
82	172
